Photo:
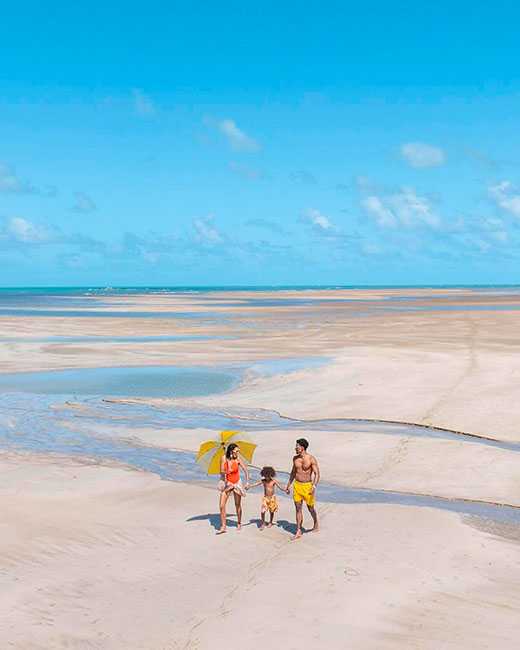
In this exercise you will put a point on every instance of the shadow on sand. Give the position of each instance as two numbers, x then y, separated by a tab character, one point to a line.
287	526
214	521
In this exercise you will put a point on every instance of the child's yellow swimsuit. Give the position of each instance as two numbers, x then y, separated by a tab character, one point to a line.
303	491
269	504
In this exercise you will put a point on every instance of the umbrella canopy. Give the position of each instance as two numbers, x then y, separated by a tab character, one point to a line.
211	451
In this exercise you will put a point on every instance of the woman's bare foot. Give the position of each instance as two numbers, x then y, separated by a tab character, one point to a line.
270	525
262	526
221	531
239	527
297	535
314	529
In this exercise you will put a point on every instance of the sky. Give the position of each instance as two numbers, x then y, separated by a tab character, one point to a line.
259	143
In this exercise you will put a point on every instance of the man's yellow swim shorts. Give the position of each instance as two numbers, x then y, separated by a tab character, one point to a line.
303	491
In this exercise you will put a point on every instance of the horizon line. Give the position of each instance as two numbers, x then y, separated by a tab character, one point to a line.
265	286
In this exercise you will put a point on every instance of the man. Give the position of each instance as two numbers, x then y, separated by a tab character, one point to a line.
306	475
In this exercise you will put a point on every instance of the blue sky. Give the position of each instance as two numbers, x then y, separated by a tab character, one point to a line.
281	143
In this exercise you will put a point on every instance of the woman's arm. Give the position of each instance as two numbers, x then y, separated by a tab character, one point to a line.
245	468
223	468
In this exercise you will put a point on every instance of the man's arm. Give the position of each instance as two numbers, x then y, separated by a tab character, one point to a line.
315	469
292	476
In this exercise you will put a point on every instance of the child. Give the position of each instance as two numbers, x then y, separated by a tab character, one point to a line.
269	500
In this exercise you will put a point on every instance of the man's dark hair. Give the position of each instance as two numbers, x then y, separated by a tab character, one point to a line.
303	443
268	473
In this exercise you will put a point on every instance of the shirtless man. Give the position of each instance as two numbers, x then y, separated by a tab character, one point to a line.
306	475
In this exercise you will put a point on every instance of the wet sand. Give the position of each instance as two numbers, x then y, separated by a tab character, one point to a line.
104	557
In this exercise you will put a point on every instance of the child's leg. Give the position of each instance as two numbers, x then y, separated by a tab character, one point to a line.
262	517
271	517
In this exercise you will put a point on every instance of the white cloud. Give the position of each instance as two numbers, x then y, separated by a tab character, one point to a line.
506	197
412	208
481	244
11	183
419	154
236	138
143	104
375	206
206	231
318	220
406	208
22	230
83	203
494	228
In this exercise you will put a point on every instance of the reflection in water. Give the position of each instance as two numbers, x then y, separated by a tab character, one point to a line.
139	414
149	381
90	313
112	339
158	381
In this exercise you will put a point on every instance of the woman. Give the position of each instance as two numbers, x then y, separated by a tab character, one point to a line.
230	466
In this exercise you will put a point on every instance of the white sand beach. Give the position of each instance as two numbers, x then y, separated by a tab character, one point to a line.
95	554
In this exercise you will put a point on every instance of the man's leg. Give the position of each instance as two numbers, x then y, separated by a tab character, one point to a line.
299	519
314	515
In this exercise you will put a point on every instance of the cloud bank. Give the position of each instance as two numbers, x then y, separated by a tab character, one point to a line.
420	155
237	139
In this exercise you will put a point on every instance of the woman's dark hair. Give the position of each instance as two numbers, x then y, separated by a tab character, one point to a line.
229	449
267	473
303	443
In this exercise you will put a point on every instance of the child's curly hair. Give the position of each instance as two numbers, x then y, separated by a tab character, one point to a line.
267	473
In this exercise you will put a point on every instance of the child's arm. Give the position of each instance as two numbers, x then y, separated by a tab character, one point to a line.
252	485
280	487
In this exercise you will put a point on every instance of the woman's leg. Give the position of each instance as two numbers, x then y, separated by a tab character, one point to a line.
222	504
238	506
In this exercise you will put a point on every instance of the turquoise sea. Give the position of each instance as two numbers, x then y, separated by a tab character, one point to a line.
107	291
96	302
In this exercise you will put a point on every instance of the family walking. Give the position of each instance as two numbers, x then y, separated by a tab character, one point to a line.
304	477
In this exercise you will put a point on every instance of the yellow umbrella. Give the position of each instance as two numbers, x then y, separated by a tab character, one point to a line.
211	452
